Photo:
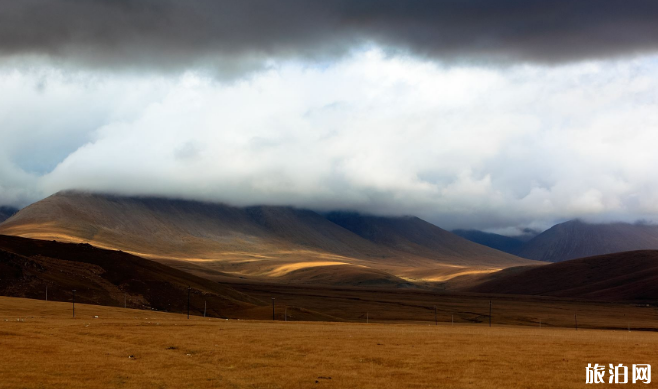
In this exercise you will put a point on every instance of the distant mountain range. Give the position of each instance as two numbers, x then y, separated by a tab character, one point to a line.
290	245
573	239
212	246
281	244
6	213
507	244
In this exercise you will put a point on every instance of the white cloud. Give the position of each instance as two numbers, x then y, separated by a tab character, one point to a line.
459	146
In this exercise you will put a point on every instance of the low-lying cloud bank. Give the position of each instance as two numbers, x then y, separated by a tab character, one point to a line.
463	147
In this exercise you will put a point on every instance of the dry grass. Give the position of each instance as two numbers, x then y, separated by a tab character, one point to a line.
48	349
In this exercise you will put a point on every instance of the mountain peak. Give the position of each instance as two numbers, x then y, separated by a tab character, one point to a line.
577	239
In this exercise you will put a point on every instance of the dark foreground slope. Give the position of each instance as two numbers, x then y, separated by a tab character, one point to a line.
106	277
578	239
627	276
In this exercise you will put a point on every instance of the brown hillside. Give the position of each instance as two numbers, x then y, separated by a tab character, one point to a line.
256	242
627	276
413	235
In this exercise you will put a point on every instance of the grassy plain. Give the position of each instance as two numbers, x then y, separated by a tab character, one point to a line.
41	346
413	306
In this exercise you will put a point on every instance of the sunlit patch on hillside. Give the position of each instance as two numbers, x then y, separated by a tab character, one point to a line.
285	269
446	277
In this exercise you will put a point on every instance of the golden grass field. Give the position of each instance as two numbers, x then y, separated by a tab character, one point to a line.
41	346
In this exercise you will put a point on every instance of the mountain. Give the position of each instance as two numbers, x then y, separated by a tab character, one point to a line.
106	277
6	213
570	240
578	239
503	243
260	243
626	276
415	236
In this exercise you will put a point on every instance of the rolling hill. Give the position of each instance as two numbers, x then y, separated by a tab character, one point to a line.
626	276
259	243
578	239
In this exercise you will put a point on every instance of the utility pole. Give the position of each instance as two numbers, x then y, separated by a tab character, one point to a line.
189	289
285	314
436	322
205	305
125	300
272	308
575	318
73	303
46	292
489	313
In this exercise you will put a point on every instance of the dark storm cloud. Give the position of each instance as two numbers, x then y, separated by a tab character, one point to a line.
239	33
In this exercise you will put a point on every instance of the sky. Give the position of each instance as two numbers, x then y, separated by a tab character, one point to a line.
494	115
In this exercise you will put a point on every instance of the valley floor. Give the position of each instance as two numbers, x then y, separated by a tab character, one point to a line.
41	346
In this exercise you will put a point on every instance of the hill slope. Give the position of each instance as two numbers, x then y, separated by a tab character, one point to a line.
105	277
577	239
627	276
256	242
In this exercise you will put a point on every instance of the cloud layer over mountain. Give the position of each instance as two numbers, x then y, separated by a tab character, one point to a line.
470	114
